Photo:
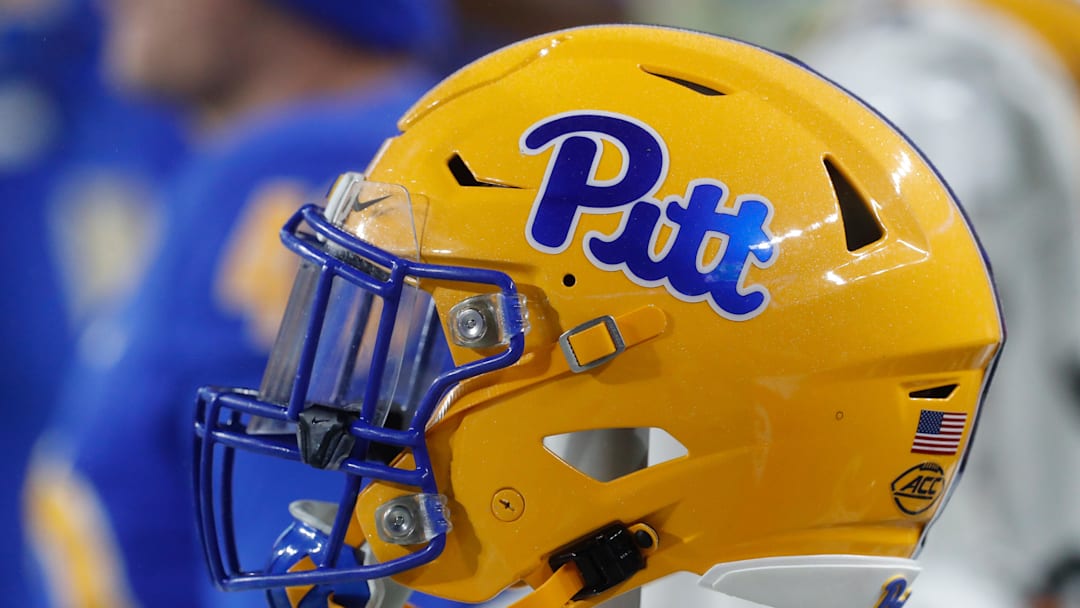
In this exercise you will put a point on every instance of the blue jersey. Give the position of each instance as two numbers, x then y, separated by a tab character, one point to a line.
122	451
63	130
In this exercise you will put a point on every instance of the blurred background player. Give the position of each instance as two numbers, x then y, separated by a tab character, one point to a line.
486	25
280	96
76	161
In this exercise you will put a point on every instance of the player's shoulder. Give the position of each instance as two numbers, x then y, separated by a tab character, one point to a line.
305	137
307	143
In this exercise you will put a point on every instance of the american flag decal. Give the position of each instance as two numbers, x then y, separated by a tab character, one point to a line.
939	432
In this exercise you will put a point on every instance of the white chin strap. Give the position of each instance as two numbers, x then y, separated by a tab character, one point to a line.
385	592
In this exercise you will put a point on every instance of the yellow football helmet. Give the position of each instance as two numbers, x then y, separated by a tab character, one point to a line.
601	235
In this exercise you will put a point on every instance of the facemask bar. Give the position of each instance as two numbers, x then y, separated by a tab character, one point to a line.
220	416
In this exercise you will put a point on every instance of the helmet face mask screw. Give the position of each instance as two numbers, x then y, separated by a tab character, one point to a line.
412	519
480	321
398	521
470	324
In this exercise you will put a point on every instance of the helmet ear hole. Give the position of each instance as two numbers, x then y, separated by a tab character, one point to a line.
612	453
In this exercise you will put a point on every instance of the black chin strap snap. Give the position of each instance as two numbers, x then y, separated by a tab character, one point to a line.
605	558
593	564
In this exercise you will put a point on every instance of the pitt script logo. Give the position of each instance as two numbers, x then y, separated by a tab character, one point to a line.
894	593
571	188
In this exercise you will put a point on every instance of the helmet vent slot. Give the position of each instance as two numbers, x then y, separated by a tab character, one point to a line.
861	227
937	392
465	176
697	87
609	454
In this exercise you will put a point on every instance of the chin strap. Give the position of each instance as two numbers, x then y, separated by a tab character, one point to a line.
594	564
563	585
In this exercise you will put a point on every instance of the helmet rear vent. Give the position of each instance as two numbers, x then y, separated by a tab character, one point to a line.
609	454
465	176
697	87
937	392
861	227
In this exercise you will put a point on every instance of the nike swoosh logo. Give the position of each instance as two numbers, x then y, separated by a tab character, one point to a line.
357	206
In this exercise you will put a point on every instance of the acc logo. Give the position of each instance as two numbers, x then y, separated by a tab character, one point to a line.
894	593
918	488
571	188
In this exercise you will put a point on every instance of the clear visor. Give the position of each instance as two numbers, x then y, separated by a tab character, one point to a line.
354	317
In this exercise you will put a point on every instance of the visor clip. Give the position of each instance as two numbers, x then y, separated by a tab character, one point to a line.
323	436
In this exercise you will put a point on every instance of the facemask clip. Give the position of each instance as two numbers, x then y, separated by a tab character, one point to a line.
412	519
482	321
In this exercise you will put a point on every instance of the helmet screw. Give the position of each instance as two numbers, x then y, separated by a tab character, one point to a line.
471	324
398	521
507	505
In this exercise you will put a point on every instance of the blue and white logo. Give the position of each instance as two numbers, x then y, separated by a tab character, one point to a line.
894	593
571	188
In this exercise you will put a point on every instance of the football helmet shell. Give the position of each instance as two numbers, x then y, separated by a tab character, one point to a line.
678	232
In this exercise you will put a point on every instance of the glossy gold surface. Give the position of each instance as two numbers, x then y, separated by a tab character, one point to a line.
796	421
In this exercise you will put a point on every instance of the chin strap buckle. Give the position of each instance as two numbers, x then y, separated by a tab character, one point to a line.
593	564
604	559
